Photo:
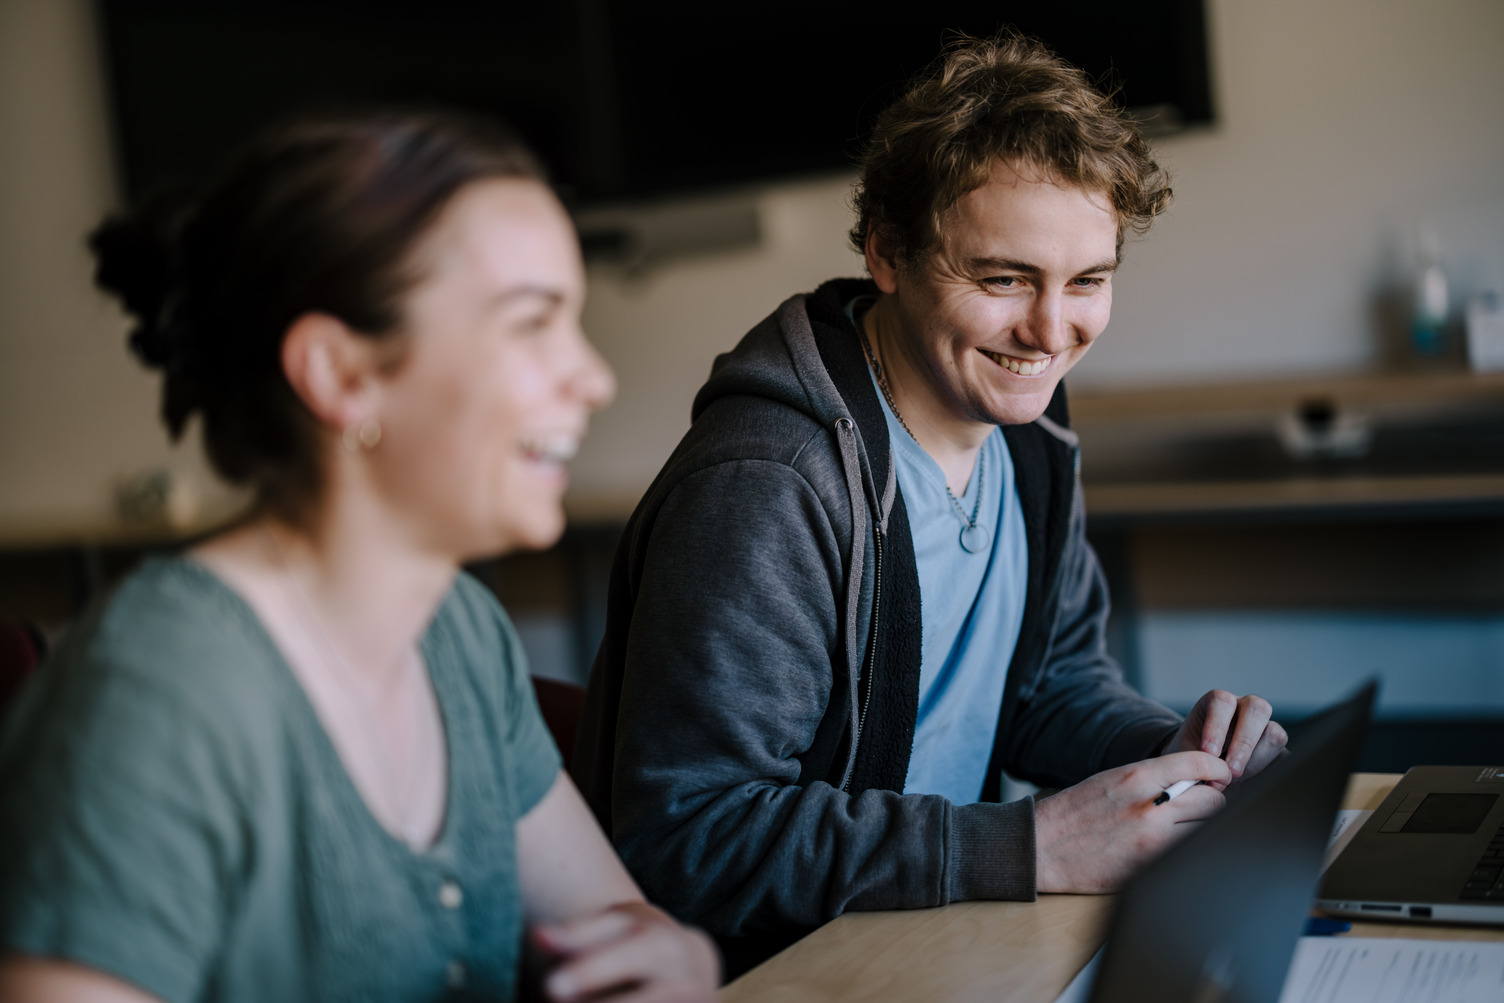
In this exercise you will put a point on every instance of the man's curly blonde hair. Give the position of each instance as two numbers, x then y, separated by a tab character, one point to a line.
982	100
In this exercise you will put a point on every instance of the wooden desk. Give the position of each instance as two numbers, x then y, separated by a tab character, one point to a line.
1014	951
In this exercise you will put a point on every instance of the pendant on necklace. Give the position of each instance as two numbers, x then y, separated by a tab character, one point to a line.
975	539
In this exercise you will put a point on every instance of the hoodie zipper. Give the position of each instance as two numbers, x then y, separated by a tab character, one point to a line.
872	641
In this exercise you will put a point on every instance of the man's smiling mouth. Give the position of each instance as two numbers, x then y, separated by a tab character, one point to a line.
1023	367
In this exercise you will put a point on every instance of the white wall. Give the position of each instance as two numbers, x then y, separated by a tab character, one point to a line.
76	412
1344	125
1431	666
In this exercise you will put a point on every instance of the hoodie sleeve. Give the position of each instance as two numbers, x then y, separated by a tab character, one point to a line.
728	673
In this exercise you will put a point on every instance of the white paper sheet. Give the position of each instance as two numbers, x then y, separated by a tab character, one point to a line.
1383	970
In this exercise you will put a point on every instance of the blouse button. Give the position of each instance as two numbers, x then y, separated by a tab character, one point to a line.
454	975
450	895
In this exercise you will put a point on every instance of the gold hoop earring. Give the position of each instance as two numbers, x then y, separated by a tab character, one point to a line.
363	436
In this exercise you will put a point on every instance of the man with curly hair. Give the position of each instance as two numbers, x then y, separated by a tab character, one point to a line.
860	588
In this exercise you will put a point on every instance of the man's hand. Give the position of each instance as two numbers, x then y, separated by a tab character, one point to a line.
1237	729
631	953
1093	836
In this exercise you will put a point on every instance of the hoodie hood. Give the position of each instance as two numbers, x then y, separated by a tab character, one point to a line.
790	357
780	359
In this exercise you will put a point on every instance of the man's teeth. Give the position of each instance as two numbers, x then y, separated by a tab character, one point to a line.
1018	366
553	448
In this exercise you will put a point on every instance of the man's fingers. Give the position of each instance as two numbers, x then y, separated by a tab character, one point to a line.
1219	707
1253	713
1271	746
1187	766
1201	801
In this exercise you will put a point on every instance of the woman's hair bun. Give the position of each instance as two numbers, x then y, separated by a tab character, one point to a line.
135	260
318	214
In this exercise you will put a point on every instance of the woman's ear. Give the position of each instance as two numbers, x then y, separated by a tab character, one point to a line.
331	369
882	259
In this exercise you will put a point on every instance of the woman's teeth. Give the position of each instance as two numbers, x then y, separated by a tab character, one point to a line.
552	448
1019	366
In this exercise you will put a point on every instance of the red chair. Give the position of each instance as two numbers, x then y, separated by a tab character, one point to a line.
562	704
21	650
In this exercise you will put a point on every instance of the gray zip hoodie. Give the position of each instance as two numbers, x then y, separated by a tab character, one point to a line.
751	711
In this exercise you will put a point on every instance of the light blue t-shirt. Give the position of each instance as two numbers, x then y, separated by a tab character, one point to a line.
971	606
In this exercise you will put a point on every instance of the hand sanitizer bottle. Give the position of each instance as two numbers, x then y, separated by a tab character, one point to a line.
1428	314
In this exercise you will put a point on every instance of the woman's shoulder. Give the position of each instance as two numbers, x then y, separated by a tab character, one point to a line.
472	612
483	663
172	620
137	772
473	633
172	647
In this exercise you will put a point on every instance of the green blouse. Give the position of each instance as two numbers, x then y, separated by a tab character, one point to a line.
173	812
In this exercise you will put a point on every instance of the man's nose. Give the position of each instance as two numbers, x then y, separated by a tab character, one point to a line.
1046	328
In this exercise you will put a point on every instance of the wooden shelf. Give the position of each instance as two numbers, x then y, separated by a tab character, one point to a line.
1387	394
1113	500
45	534
1436	439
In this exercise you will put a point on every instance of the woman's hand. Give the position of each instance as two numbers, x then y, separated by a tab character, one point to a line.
628	952
600	939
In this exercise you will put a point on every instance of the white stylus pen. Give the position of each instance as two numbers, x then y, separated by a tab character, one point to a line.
1174	791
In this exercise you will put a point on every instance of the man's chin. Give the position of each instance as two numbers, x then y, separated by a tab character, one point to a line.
1022	408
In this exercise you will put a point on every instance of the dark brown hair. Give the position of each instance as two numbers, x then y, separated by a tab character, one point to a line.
317	215
1006	98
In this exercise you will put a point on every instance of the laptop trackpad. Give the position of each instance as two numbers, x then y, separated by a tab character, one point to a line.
1458	814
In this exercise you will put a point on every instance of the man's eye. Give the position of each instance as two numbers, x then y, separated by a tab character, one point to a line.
1001	282
533	322
1089	282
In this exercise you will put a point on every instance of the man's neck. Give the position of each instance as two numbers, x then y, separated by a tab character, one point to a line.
951	440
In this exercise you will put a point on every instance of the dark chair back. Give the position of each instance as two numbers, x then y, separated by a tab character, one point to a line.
561	704
21	650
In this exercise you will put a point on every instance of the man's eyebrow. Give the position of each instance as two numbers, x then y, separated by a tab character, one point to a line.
506	296
987	264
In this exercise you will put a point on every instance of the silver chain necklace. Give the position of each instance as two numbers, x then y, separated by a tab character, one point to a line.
974	538
399	802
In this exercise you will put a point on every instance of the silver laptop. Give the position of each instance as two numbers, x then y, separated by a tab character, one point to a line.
1433	852
1217	916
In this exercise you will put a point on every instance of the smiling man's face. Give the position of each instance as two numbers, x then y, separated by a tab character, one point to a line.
1014	294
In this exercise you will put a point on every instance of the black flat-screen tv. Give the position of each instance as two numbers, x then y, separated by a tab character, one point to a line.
625	99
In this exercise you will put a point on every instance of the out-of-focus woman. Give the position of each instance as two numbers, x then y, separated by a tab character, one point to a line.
303	759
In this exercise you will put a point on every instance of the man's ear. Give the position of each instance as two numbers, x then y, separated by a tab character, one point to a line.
882	259
331	369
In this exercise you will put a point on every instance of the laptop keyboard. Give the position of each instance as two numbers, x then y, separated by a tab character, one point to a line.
1487	880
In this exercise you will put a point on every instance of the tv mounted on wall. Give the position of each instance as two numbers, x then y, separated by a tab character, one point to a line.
626	99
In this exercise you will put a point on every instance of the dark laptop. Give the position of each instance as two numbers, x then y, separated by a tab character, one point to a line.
1217	917
1433	852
